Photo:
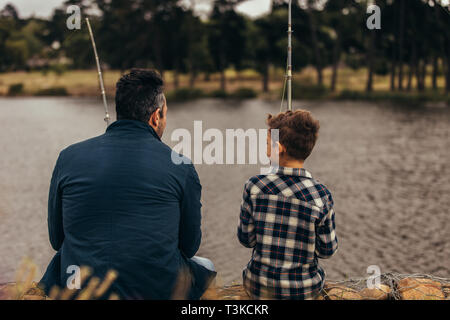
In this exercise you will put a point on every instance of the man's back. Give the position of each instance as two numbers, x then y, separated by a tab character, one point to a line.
118	202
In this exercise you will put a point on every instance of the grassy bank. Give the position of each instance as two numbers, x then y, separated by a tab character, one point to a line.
243	85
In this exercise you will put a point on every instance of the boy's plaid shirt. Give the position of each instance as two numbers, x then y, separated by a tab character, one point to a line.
287	218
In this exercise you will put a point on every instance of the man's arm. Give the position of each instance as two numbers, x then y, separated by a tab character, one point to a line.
246	229
326	239
54	219
190	220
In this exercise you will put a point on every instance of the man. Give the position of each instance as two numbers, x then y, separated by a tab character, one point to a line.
118	202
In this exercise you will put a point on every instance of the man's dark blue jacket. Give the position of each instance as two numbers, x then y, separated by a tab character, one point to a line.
119	202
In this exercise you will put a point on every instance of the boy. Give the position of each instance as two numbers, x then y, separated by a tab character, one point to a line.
287	217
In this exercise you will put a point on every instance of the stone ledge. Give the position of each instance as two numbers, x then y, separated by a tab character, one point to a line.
408	288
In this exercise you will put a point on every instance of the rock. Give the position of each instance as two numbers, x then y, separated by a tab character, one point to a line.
406	289
381	293
446	290
31	297
12	292
420	289
235	292
35	291
342	293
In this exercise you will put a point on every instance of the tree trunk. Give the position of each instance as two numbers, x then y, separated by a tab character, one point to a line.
410	77
400	44
419	69
223	80
158	53
266	78
313	28
176	79
423	74
435	72
393	74
336	61
192	78
410	72
370	57
447	76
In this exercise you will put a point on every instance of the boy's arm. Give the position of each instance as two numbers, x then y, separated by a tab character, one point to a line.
246	230
326	240
190	234
55	219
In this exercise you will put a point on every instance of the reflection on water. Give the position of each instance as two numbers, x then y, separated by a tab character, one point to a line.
386	166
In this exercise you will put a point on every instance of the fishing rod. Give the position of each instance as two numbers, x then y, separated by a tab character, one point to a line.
289	67
288	75
100	75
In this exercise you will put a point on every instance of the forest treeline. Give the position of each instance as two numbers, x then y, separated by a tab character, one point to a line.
414	39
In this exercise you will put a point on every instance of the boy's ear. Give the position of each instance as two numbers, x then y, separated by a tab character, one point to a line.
281	148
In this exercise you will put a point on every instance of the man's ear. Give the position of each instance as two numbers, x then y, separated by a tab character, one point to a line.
155	118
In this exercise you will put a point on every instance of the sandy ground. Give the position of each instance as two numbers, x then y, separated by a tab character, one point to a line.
387	168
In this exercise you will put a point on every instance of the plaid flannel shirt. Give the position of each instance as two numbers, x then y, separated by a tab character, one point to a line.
288	219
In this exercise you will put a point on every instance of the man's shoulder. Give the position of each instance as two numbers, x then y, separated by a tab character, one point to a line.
82	146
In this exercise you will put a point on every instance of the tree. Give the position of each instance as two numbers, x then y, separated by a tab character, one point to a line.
341	17
267	43
311	5
198	58
226	37
400	42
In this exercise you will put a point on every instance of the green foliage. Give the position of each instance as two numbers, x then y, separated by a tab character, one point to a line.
226	36
77	47
17	52
399	98
20	41
308	91
58	69
169	35
15	89
221	94
185	94
54	91
244	93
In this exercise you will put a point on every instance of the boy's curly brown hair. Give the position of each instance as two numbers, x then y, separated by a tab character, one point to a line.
298	132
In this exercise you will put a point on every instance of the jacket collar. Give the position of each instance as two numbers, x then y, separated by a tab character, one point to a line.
284	171
131	126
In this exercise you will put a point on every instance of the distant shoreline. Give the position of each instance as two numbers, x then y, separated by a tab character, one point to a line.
246	84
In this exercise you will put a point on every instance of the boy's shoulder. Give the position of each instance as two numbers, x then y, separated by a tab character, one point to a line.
306	189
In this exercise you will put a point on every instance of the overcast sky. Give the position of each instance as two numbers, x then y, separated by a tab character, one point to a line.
44	8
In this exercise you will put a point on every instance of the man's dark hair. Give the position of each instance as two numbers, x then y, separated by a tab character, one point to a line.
139	94
298	132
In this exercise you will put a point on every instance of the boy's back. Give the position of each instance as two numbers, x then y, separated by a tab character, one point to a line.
287	218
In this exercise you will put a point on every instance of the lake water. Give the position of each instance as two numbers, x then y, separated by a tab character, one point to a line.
387	167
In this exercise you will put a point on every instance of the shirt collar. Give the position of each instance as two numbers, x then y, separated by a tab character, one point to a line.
131	126
284	171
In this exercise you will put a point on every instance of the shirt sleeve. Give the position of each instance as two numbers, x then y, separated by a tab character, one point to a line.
190	234
326	239
55	218
246	229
